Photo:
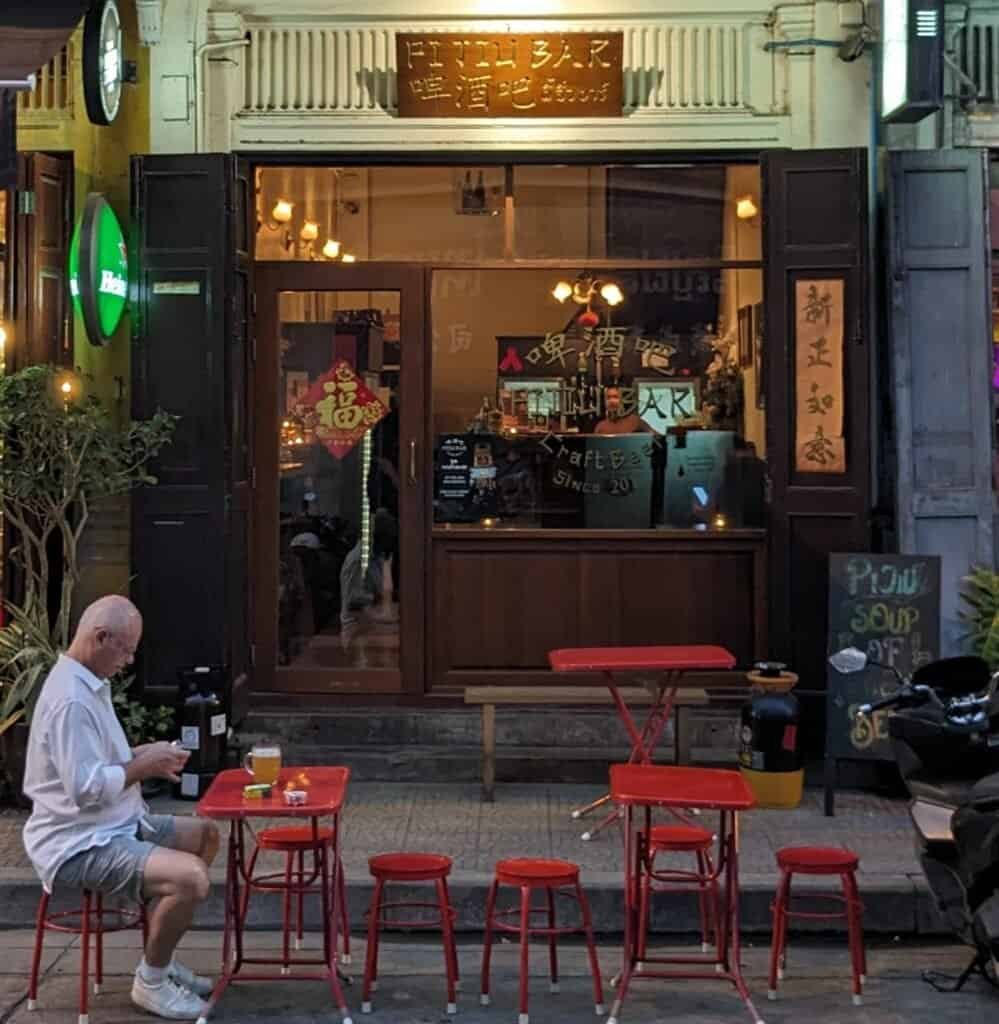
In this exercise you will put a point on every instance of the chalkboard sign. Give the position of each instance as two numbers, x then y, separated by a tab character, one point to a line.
888	606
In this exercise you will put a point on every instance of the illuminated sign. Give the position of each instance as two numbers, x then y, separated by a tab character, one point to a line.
103	62
911	59
98	270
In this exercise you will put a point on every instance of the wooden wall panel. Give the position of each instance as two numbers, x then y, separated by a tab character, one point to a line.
501	603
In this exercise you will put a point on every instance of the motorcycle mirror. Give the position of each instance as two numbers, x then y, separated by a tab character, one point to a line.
848	661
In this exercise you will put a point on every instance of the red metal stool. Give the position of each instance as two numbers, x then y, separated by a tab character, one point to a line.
556	878
295	841
819	860
408	868
91	922
679	838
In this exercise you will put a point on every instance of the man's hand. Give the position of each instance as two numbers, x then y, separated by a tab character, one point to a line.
156	761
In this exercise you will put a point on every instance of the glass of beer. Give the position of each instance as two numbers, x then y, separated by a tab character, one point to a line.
263	762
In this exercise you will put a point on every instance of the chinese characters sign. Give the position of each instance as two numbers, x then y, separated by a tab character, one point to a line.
577	74
820	446
339	409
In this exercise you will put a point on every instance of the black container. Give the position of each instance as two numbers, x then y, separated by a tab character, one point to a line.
768	739
203	727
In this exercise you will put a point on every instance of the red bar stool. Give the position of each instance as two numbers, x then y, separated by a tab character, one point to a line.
679	838
819	860
295	841
91	920
556	878
409	868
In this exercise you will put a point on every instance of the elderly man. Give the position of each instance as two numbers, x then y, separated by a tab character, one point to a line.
90	827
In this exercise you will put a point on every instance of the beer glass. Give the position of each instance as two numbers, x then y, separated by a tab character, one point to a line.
263	762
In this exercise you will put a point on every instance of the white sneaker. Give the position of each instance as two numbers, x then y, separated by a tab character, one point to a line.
168	999
183	975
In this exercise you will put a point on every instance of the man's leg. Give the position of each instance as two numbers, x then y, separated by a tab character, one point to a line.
180	881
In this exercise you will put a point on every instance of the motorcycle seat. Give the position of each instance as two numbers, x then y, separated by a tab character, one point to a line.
949	792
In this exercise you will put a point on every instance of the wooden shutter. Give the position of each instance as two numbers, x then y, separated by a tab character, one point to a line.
44	215
941	340
815	228
191	357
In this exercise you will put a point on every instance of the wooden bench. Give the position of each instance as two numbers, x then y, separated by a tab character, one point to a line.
569	696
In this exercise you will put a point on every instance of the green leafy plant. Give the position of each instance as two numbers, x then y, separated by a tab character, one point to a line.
142	724
61	453
980	611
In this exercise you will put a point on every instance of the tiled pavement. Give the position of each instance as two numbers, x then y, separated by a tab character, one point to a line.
535	820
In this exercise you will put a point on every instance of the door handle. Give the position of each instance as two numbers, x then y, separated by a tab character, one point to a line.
412	462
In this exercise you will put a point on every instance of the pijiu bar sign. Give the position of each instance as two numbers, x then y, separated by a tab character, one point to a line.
575	74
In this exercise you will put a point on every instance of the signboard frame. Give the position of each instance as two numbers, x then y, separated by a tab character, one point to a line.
510	75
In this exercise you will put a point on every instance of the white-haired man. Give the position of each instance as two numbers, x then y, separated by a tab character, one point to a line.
90	828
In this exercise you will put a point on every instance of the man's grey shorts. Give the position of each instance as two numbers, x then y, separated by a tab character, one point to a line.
116	868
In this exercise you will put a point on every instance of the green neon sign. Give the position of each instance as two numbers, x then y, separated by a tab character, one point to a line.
98	270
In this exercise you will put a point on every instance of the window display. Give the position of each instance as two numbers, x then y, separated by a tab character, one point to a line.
615	400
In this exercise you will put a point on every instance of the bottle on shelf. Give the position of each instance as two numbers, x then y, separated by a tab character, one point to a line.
480	193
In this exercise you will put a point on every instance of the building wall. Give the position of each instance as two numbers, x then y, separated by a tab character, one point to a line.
53	119
318	76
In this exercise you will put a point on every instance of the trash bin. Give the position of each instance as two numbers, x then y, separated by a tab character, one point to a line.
769	758
203	725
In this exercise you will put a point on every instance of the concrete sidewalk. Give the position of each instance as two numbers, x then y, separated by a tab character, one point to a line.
535	820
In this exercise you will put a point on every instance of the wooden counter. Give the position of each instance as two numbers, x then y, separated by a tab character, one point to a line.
501	599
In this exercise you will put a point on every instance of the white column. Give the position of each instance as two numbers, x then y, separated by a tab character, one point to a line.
171	68
792	23
219	73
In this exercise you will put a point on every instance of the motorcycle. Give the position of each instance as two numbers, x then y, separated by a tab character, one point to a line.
944	733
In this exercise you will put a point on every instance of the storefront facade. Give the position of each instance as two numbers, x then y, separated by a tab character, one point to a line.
726	200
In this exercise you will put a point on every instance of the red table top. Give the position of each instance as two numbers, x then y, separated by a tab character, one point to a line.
672	658
326	789
662	786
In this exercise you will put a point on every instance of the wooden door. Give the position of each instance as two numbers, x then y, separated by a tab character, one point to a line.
191	356
941	342
340	503
43	218
815	231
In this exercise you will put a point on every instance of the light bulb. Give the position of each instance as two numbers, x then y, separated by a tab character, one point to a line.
745	208
309	232
282	211
66	388
331	250
3	336
349	258
612	294
562	291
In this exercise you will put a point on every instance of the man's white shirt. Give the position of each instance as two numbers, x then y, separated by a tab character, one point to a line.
74	772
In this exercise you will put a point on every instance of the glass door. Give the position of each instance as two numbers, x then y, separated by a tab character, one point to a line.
339	506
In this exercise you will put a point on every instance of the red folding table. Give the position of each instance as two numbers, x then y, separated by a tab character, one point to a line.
326	792
677	789
671	662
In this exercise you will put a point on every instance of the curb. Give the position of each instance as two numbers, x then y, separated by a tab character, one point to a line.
895	905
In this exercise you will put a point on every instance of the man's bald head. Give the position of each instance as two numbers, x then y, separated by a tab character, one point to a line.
107	635
114	613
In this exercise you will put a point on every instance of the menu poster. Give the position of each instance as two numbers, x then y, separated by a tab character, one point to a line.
464	479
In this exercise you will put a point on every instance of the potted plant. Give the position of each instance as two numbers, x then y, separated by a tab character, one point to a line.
61	453
980	595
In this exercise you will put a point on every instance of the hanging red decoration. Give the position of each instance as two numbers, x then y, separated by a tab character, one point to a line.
588	318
